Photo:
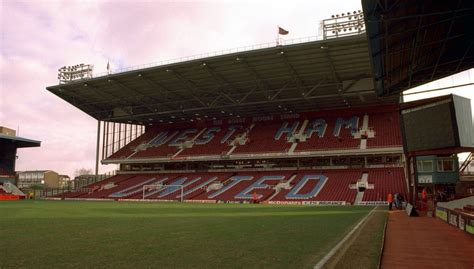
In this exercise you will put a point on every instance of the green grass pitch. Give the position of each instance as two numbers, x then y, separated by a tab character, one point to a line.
76	234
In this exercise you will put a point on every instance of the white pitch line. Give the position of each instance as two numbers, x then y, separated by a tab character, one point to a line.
333	251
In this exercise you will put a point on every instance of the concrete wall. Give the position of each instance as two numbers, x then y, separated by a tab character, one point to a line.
51	179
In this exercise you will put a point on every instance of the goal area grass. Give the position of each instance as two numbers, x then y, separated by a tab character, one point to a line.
86	234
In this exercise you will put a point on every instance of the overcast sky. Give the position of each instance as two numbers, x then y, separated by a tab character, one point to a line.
38	37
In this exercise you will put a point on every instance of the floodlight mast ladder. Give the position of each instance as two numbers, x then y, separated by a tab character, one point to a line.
145	187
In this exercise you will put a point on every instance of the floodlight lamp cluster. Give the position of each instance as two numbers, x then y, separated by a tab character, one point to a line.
355	14
79	71
348	26
350	23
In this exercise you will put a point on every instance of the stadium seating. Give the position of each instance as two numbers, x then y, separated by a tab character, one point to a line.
385	181
214	141
330	141
129	149
332	130
385	135
198	190
86	191
135	185
336	130
118	183
305	185
262	140
8	191
335	188
194	185
241	182
156	152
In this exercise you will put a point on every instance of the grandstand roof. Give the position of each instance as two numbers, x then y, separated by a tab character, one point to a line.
316	75
415	42
19	141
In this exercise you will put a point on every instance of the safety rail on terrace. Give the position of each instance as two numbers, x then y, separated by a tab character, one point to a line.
215	53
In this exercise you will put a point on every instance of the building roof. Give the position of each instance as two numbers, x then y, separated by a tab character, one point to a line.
36	171
308	76
415	42
20	142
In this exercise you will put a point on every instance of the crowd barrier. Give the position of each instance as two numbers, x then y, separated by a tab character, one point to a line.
456	218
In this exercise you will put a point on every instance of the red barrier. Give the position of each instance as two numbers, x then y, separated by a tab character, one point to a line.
9	197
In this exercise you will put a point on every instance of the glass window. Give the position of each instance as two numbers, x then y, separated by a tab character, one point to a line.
446	165
425	166
428	166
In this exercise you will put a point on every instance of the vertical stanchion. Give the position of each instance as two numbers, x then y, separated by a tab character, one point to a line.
107	141
113	138
97	152
103	141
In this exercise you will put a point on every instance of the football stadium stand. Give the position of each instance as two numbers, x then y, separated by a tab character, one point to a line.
9	144
340	133
306	120
8	191
296	123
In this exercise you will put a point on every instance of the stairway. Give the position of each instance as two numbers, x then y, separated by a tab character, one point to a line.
235	144
360	194
277	190
299	133
363	144
189	141
359	197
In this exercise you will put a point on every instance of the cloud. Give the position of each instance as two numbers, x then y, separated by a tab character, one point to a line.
38	37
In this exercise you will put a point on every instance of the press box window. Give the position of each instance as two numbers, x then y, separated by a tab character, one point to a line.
425	166
446	165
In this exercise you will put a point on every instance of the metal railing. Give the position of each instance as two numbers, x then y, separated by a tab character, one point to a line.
215	53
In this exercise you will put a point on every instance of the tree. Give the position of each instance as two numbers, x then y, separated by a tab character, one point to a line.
83	171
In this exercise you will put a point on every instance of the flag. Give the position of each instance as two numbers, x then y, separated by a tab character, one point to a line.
282	31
